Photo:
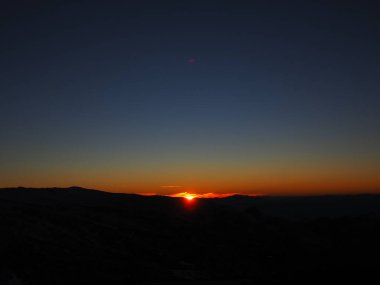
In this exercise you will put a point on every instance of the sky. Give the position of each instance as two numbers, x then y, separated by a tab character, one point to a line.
251	97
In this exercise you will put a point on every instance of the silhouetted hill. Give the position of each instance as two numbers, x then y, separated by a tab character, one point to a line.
303	207
80	236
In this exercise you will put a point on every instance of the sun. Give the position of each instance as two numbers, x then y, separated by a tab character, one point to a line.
186	195
189	197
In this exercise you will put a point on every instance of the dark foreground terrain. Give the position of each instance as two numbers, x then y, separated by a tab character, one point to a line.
79	236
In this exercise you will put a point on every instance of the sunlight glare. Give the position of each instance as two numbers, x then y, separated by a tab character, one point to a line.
189	197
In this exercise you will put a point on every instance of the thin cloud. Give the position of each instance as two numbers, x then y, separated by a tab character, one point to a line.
204	195
195	195
172	186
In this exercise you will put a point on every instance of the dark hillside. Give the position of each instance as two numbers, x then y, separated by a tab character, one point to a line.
79	236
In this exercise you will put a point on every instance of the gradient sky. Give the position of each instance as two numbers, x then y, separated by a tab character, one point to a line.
269	97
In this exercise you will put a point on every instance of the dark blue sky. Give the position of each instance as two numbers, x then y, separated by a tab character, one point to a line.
221	96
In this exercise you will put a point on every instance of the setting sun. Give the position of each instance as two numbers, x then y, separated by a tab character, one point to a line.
189	197
186	195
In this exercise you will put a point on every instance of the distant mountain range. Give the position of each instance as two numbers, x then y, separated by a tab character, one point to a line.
302	207
82	236
294	207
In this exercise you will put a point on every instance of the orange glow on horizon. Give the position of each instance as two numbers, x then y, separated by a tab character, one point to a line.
191	196
188	196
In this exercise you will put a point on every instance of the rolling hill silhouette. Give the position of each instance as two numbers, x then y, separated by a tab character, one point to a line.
81	236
